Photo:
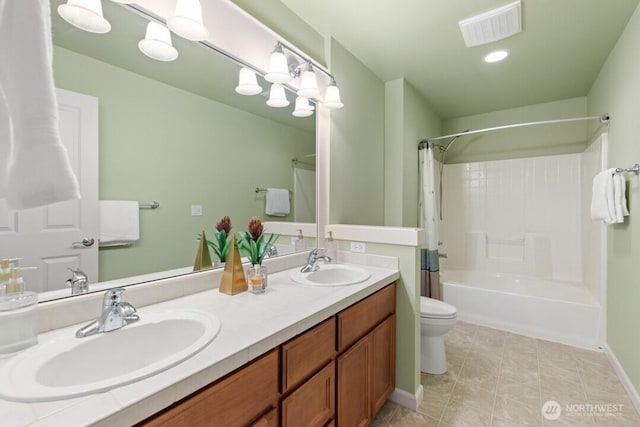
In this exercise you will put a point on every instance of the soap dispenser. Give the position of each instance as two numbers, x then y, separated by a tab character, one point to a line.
331	250
300	244
15	284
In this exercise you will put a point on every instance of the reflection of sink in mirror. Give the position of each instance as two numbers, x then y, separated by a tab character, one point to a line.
68	367
155	129
332	275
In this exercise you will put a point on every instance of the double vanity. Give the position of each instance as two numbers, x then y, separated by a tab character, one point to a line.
317	353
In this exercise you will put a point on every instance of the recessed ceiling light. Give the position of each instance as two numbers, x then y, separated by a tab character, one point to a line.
495	56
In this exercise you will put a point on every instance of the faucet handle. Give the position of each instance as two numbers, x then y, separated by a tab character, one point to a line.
112	297
313	254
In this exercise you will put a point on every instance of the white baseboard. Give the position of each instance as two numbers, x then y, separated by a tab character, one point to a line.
626	382
408	400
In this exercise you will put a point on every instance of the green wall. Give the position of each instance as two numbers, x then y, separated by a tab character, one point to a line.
409	119
616	91
161	143
357	143
528	141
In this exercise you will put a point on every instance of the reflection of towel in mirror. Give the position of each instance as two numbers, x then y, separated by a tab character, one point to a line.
119	222
38	172
277	203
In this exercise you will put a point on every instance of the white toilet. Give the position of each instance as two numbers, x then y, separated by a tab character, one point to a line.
436	319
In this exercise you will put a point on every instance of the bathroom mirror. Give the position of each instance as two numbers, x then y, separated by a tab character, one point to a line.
176	133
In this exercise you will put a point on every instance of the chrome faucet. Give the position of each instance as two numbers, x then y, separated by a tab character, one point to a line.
272	251
313	260
115	315
79	282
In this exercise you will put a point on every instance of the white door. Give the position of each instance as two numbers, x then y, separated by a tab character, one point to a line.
51	237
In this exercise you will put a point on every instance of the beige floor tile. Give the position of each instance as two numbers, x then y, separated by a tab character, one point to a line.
524	377
520	391
522	361
404	417
618	421
562	391
519	412
469	395
433	404
569	421
440	384
465	416
386	412
479	370
563	369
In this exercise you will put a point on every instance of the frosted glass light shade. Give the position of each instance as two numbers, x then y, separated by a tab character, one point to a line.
332	97
308	85
187	20
278	68
157	43
248	82
303	109
277	97
86	15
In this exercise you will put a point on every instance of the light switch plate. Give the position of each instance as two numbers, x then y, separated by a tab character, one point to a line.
358	247
196	210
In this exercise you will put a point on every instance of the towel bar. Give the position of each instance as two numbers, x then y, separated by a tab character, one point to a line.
152	205
264	190
635	169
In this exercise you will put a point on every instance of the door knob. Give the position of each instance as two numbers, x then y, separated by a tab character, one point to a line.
87	241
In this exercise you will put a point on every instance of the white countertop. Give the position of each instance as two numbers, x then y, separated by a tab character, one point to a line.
251	325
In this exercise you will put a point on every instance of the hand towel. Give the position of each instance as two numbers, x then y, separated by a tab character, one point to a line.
277	203
619	197
119	222
602	206
39	172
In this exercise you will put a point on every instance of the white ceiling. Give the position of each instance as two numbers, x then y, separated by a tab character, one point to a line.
557	56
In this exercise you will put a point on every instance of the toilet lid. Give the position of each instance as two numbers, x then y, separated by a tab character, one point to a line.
430	307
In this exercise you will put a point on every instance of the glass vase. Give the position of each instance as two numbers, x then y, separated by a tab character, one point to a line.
257	279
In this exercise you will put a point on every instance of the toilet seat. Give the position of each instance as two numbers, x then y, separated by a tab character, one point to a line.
434	309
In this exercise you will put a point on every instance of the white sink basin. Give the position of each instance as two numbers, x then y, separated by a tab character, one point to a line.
332	275
70	367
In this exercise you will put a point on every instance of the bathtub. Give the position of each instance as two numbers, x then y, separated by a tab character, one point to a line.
558	311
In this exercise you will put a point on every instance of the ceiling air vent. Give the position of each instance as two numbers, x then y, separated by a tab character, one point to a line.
496	24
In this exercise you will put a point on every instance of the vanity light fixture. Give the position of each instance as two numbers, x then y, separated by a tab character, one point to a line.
157	43
303	109
278	67
277	96
187	20
86	15
496	56
332	97
308	83
248	82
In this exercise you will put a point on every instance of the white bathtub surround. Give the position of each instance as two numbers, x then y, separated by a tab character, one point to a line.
285	310
405	236
558	311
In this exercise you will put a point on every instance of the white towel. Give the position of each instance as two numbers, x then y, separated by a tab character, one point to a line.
119	222
38	172
602	191
619	197
277	203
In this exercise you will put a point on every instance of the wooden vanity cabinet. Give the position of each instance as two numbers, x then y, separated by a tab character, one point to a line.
338	373
366	369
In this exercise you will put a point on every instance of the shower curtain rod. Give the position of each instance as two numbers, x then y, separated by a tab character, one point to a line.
604	119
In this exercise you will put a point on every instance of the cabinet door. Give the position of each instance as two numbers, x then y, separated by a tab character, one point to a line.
313	403
383	372
354	396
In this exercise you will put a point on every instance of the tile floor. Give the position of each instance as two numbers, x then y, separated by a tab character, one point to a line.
500	379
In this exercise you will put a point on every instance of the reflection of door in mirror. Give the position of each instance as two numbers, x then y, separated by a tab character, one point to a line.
50	238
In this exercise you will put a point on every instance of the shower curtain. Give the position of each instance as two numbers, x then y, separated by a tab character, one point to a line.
430	285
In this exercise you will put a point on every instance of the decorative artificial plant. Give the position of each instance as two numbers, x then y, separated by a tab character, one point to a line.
221	242
253	243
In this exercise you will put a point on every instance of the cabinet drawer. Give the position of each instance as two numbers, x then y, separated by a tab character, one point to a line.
234	401
355	321
313	403
270	419
305	354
